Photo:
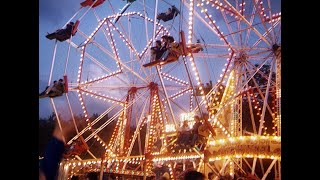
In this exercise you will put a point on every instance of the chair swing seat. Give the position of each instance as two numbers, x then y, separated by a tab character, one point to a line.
195	48
59	36
168	60
75	28
62	37
90	2
51	36
167	17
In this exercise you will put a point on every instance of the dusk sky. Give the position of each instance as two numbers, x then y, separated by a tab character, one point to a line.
54	14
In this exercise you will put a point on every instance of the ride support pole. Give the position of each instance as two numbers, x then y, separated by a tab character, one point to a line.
101	167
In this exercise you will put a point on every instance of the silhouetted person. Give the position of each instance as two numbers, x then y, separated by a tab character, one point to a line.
195	133
169	44
184	134
210	176
53	154
156	51
92	176
194	175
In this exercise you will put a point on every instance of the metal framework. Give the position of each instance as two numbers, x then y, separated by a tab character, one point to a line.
143	108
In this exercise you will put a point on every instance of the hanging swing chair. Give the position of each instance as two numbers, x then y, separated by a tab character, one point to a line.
64	34
172	54
169	15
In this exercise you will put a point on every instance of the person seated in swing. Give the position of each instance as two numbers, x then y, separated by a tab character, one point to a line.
169	15
164	43
195	130
172	52
60	86
156	52
62	34
57	89
164	47
184	135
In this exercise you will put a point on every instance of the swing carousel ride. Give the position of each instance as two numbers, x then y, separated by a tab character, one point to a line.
232	81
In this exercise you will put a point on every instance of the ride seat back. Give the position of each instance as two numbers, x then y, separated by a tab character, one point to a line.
75	28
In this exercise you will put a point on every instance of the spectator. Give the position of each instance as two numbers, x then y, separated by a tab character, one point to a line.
210	176
194	175
195	134
184	134
53	154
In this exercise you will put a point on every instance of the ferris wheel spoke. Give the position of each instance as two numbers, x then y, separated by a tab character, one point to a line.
72	115
248	23
175	79
121	63
111	74
126	39
262	18
166	95
146	30
254	69
110	44
249	165
272	22
119	22
92	123
261	166
258	88
201	19
230	99
101	48
269	30
103	126
253	123
251	21
235	42
137	131
212	56
279	32
109	120
99	95
265	101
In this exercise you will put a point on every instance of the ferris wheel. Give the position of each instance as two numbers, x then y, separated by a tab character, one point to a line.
232	82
